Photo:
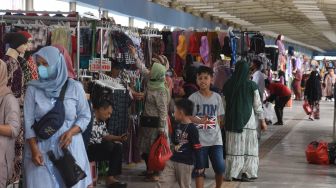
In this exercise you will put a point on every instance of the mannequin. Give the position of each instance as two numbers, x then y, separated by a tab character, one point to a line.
17	45
282	52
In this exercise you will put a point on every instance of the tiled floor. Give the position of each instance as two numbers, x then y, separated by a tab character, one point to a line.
283	163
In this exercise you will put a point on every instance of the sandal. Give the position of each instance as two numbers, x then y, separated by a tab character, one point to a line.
151	179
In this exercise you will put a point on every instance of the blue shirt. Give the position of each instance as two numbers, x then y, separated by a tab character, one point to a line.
77	112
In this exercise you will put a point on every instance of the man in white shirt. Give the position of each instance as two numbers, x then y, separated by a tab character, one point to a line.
258	77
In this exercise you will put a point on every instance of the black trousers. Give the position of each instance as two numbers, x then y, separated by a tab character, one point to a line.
280	103
107	151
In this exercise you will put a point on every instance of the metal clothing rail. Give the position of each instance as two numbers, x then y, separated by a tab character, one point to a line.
76	19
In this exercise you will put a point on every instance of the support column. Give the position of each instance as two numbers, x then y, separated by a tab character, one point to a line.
130	22
29	5
151	24
105	14
72	6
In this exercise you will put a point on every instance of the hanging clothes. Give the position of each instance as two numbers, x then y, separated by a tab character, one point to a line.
204	50
257	44
182	47
193	47
226	50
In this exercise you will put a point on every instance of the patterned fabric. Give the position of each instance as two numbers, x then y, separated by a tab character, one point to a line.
99	131
15	74
242	152
157	106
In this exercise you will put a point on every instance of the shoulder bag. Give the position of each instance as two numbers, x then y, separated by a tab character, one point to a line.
51	122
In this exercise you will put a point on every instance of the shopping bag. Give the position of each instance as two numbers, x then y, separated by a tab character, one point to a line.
268	111
317	153
306	107
289	103
159	154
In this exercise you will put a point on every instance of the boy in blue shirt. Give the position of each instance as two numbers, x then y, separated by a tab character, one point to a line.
186	149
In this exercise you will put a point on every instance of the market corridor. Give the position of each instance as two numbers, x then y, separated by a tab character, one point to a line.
283	163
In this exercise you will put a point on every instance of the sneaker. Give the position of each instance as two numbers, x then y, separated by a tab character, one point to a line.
278	123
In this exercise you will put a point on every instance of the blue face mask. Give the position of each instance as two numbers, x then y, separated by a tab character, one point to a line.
43	72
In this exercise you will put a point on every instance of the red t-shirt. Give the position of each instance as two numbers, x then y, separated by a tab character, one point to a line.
279	90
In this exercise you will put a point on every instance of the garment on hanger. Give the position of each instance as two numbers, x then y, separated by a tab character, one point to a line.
226	50
257	44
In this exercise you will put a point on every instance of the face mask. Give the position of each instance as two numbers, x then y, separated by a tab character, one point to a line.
43	72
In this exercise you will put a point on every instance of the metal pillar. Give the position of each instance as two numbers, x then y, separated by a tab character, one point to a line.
334	123
151	25
105	14
130	22
72	6
29	5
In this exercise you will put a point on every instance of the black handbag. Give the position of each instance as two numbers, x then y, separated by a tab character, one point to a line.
149	121
51	122
66	165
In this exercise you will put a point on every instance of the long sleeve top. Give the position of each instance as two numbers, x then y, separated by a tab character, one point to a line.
9	116
77	112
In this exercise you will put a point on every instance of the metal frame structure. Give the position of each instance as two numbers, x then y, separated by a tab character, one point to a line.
77	19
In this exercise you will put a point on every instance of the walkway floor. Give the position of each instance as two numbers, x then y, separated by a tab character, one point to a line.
282	155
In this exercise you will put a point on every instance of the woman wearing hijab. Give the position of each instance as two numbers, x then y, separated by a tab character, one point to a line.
296	84
313	94
156	105
9	127
243	105
68	61
40	99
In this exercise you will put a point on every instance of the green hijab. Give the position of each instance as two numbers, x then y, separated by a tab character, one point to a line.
157	77
239	96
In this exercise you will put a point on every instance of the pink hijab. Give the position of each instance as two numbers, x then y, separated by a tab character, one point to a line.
204	49
71	71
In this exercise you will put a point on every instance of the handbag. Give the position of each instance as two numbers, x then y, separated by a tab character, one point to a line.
317	153
159	154
66	165
149	121
51	122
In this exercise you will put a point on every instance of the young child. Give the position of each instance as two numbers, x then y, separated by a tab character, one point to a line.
186	149
208	114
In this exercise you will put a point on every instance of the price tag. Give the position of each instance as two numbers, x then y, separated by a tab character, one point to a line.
96	65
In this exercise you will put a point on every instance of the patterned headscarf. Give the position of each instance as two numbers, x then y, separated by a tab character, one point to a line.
52	86
4	90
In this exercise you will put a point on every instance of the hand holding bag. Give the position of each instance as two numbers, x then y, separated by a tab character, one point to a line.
66	165
52	121
306	107
159	154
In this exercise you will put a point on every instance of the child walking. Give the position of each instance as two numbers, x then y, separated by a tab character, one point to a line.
186	150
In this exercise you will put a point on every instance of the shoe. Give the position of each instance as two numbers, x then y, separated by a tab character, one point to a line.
246	179
278	123
311	119
117	185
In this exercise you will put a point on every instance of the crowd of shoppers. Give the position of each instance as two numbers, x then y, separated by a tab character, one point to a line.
218	112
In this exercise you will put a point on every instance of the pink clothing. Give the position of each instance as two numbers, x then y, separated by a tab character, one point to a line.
71	71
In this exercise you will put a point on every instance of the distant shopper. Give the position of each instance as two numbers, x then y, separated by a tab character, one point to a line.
9	127
329	83
243	105
281	95
186	151
258	77
313	94
208	114
296	84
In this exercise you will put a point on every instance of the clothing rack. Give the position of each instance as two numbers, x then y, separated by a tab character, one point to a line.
74	19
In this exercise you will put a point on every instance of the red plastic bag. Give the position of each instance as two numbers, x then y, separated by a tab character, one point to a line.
307	108
317	153
159	154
